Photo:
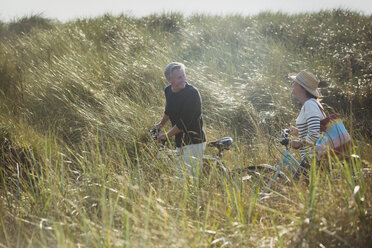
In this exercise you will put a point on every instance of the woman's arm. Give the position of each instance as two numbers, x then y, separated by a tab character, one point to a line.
313	130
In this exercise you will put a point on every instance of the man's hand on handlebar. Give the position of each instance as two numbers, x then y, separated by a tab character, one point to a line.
157	126
161	137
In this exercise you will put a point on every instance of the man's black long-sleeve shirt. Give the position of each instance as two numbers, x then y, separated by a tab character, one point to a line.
184	110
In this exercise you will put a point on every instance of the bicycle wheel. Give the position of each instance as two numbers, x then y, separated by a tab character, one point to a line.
264	175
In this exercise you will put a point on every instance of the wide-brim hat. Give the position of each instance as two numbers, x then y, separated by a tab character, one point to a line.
307	80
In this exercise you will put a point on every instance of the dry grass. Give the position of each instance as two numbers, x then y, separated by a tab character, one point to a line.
77	99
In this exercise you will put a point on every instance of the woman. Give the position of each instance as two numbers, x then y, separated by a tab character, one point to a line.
305	90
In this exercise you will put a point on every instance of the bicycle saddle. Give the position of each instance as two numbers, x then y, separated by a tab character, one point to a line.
223	143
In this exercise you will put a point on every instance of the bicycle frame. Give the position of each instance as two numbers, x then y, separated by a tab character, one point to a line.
286	160
221	144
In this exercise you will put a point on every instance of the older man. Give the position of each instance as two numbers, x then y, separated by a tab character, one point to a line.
183	108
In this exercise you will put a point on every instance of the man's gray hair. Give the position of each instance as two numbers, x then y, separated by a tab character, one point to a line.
171	67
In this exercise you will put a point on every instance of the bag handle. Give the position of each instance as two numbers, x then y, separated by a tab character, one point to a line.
321	109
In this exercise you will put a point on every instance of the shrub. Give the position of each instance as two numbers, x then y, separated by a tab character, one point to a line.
26	24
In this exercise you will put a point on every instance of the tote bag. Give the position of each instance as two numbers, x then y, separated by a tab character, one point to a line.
334	138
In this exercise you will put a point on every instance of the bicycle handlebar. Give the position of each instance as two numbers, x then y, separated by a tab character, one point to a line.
154	135
285	135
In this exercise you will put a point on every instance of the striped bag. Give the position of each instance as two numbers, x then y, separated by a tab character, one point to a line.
334	137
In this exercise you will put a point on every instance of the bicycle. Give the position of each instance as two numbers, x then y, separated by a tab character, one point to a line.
270	174
264	173
209	161
266	176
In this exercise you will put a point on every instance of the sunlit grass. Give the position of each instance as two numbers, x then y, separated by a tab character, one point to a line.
77	98
100	197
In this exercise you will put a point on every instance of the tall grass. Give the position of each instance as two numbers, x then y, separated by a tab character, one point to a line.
100	197
77	167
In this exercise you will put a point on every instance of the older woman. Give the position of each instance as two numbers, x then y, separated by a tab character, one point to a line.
305	90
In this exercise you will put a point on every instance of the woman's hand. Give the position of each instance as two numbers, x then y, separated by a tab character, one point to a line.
293	130
296	144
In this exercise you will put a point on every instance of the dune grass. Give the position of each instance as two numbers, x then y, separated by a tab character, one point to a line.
78	168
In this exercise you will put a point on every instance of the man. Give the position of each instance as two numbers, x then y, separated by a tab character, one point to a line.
183	108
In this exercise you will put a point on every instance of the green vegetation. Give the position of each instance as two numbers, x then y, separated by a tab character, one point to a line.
77	98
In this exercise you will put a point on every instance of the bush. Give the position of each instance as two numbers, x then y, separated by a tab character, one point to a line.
167	22
26	24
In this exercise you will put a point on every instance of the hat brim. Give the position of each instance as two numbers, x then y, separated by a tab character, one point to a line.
315	93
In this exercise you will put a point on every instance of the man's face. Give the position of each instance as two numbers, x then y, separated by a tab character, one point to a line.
177	77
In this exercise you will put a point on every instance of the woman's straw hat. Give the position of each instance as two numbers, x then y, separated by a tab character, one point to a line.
308	81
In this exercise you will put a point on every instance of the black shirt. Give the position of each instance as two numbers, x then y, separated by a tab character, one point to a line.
184	110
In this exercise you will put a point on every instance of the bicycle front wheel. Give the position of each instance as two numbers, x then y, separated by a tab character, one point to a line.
265	175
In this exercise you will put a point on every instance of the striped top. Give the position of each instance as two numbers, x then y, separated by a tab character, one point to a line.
308	124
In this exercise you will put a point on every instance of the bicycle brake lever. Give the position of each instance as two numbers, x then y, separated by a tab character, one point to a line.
285	132
154	133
